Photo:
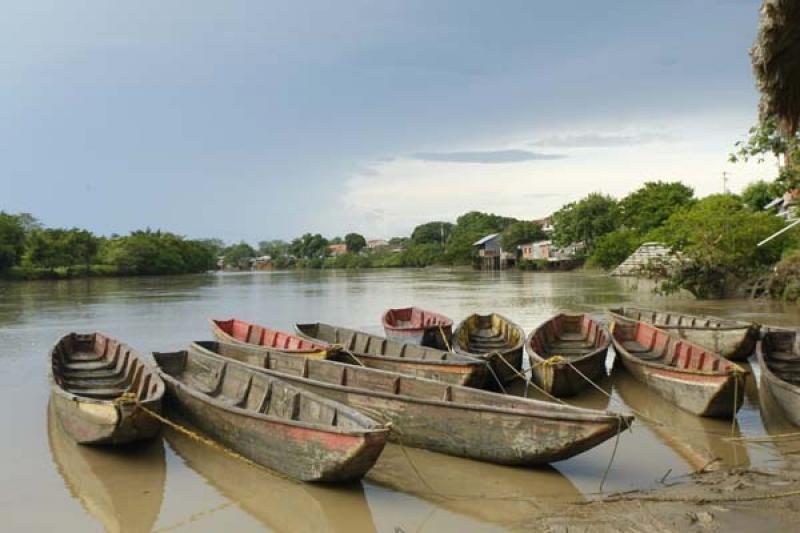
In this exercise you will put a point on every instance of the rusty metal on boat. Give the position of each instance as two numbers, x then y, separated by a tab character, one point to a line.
269	421
566	351
450	419
688	375
778	356
492	338
418	326
374	351
97	387
237	331
732	339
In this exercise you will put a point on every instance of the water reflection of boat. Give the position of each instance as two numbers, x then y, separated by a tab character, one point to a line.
697	440
776	424
500	495
276	502
121	487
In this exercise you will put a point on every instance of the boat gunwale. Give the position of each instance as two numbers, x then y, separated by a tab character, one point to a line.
763	360
578	414
215	329
462	360
733	324
533	354
207	398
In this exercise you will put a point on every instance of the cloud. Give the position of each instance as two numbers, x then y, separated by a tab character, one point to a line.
485	156
602	140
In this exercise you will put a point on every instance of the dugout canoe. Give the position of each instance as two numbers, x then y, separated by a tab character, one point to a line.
237	331
732	339
269	421
445	418
778	356
493	338
567	350
98	386
418	326
686	374
374	351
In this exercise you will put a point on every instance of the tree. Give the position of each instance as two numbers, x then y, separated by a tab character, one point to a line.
355	242
716	240
469	228
521	232
613	248
432	233
239	255
757	194
274	248
309	246
649	206
12	241
767	138
50	248
586	220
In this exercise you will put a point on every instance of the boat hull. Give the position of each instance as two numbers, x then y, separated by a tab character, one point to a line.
786	395
496	341
454	420
253	332
413	325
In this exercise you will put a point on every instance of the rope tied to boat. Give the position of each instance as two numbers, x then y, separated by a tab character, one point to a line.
129	397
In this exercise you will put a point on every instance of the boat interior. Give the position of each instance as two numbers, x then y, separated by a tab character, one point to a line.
488	333
782	355
237	386
653	345
570	336
95	366
376	381
255	334
413	317
666	319
358	342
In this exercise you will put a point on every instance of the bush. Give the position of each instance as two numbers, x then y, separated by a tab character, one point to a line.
613	248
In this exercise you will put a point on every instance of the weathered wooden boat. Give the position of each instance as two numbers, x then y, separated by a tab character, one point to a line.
565	351
778	356
276	503
450	419
98	386
492	338
270	421
417	326
688	375
121	488
374	351
237	331
732	339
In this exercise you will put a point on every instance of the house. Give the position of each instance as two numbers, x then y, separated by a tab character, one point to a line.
337	249
263	262
377	243
491	253
545	223
546	250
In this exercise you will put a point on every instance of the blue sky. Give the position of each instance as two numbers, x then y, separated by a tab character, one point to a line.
261	120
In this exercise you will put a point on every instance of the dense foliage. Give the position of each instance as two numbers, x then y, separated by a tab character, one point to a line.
757	195
355	242
12	241
522	232
650	206
432	233
585	220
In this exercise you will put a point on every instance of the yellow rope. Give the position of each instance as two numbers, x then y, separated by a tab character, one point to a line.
131	398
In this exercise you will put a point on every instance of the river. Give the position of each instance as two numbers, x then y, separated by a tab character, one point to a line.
175	483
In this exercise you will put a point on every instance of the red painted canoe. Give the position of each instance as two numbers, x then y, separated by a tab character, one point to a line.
418	326
237	331
580	343
686	374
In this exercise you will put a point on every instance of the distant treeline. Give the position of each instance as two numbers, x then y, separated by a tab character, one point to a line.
30	251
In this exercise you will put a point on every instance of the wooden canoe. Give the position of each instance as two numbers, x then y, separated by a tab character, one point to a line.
417	326
490	337
123	490
374	351
732	339
237	331
688	375
94	380
778	356
270	421
581	344
450	419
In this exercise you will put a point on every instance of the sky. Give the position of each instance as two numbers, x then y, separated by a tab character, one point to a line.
262	120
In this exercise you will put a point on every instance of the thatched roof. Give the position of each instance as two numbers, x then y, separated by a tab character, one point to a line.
776	62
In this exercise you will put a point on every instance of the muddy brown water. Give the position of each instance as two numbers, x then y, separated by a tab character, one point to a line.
175	483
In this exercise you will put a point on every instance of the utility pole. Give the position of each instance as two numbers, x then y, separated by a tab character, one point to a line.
724	182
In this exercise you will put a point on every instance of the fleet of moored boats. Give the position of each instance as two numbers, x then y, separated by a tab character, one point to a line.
319	404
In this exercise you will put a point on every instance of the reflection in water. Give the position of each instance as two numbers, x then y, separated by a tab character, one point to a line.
697	440
122	487
589	397
277	503
778	426
500	495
